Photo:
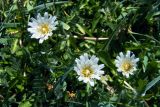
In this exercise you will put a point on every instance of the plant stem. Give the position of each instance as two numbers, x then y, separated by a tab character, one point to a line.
130	87
90	38
87	91
52	40
144	36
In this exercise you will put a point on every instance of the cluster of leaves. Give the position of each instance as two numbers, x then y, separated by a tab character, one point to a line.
41	75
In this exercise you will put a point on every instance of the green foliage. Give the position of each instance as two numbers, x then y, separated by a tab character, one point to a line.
42	75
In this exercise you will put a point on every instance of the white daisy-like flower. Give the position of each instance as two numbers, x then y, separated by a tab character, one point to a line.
42	27
88	69
126	63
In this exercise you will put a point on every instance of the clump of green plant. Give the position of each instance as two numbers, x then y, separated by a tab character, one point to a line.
75	53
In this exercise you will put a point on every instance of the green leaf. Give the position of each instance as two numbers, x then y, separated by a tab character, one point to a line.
65	26
141	85
80	28
95	22
14	46
29	5
42	6
63	45
156	13
150	85
3	41
145	63
105	58
9	25
25	104
105	104
60	87
20	87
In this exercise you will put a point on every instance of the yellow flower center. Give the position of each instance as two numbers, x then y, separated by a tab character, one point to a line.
44	28
126	66
87	72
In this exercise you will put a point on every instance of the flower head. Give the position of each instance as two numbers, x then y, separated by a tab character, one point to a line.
42	27
88	69
126	63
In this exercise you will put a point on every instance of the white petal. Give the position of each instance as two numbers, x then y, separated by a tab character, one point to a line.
46	15
100	72
94	59
82	58
35	36
39	16
80	78
117	65
119	70
133	56
53	19
77	60
32	30
86	80
116	61
121	55
41	41
76	69
118	58
96	77
32	24
45	37
34	20
101	66
85	57
91	82
136	60
55	23
127	75
128	54
131	73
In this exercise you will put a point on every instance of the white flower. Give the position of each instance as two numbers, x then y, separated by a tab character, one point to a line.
88	69
126	63
42	27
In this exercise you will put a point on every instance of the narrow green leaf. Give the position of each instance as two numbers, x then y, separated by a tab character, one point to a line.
95	22
9	25
80	28
15	46
105	58
145	63
42	6
150	85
